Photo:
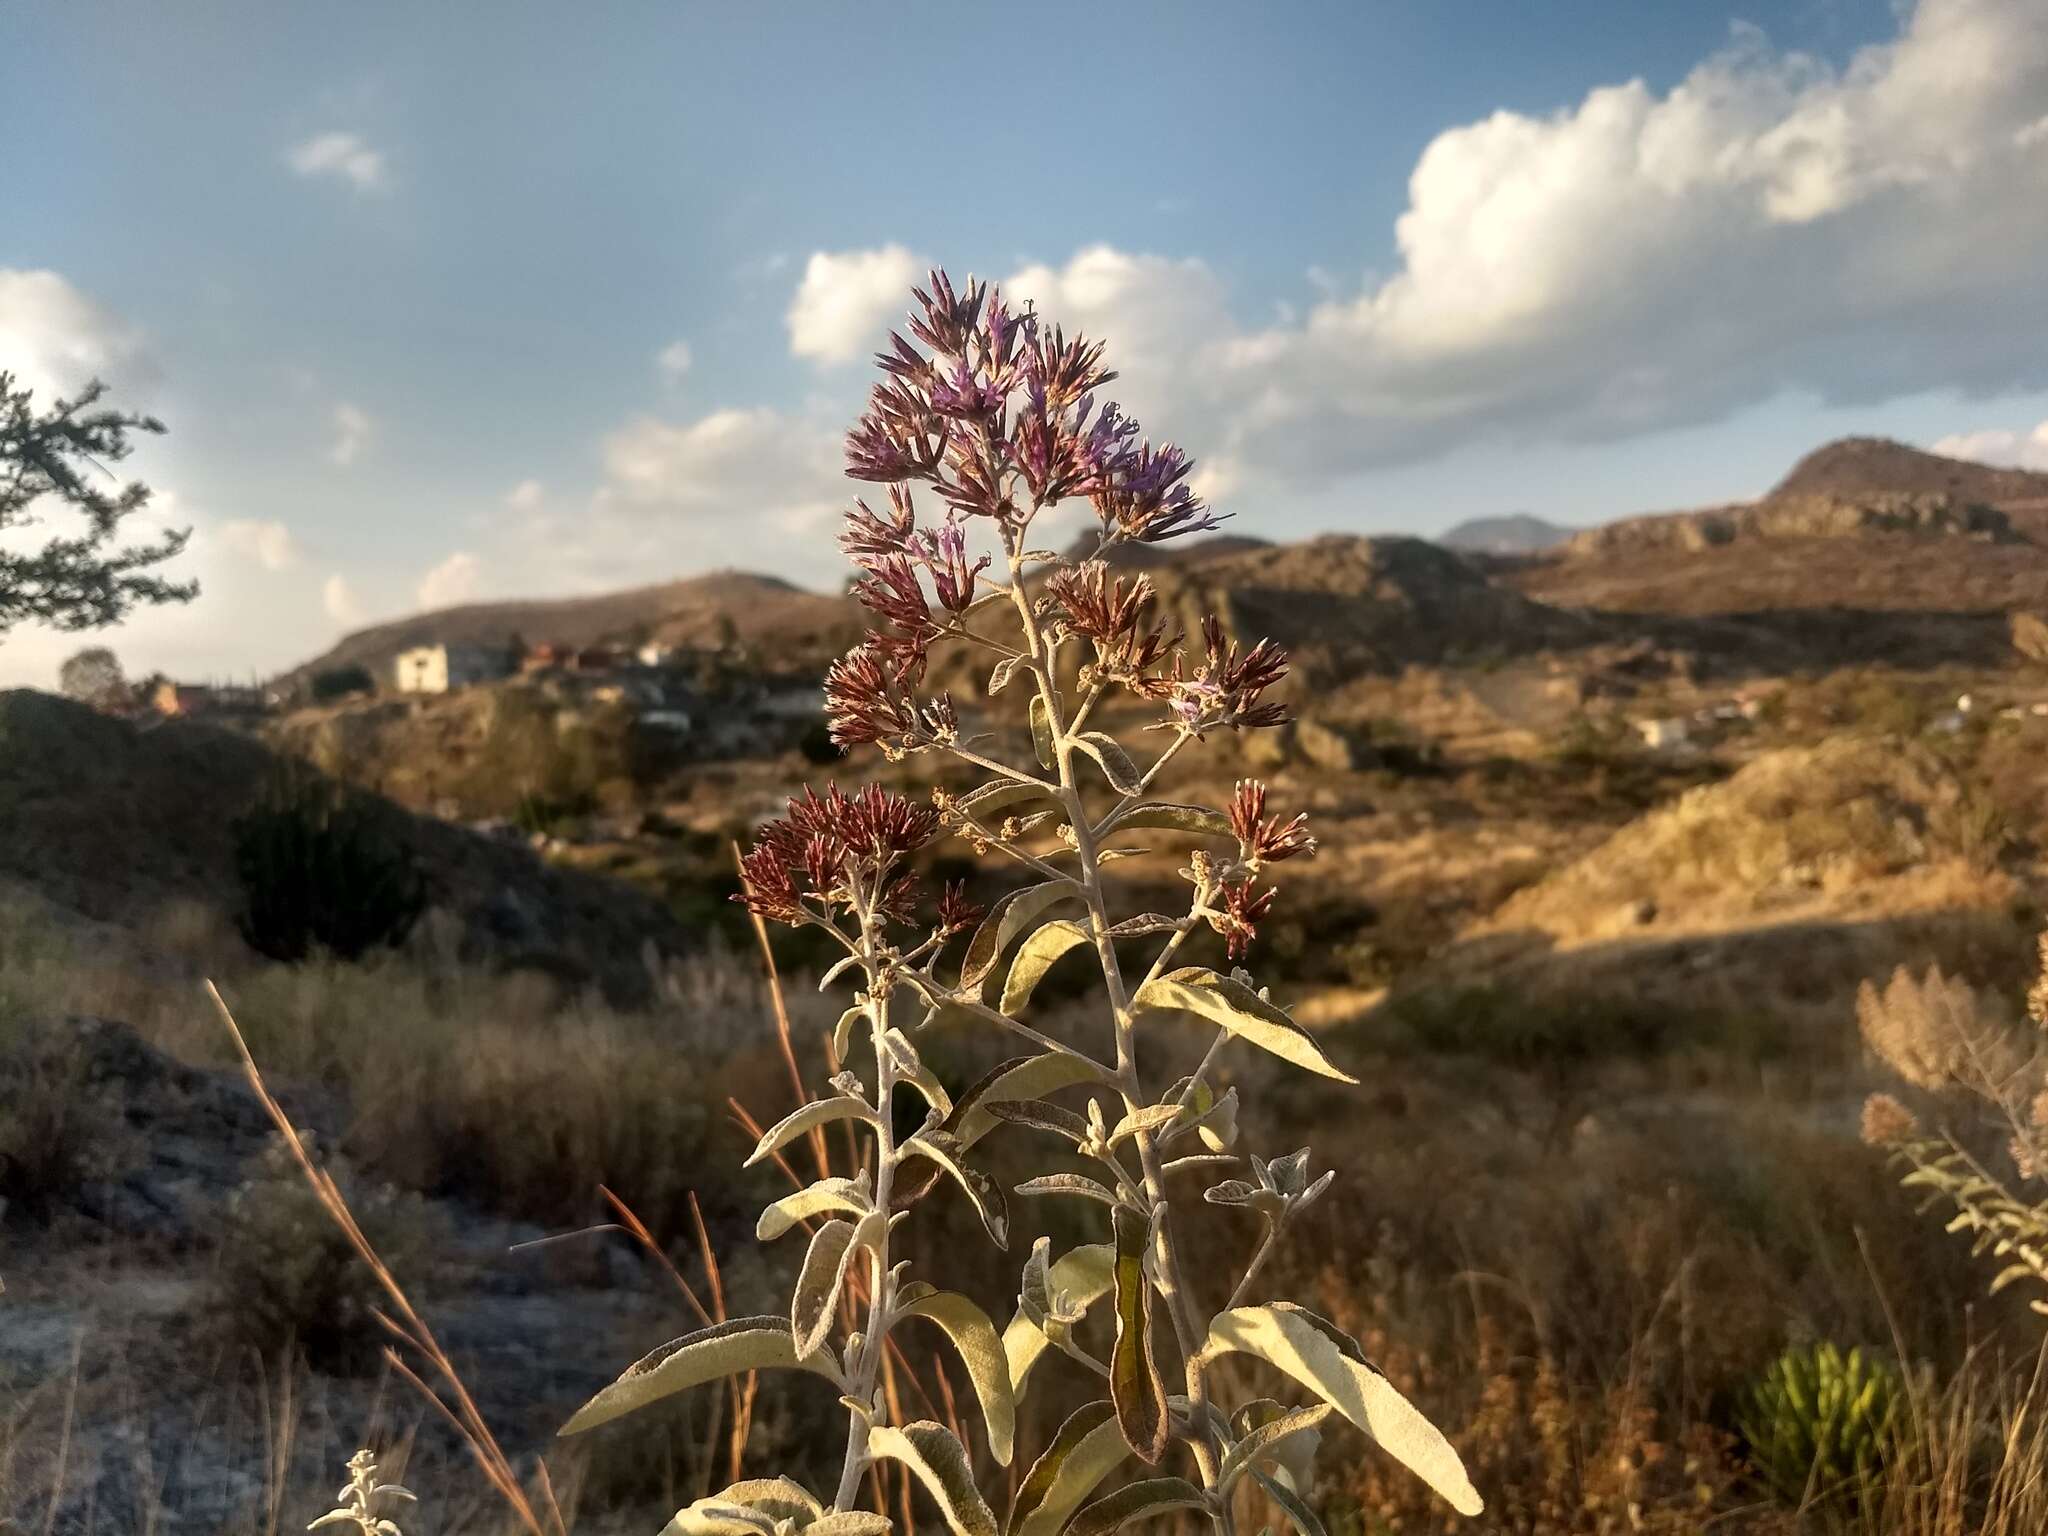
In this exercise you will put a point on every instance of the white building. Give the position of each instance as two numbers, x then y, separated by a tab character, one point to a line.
439	668
1662	735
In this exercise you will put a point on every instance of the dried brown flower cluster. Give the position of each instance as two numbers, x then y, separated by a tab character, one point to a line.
995	413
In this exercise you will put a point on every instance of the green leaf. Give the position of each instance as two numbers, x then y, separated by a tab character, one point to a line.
1042	1117
847	1195
1292	1459
944	1149
1037	956
1134	1384
910	1068
850	1522
1329	1363
749	1508
805	1119
842	1032
981	1351
1001	794
1167	817
1006	919
1116	766
1136	1501
1041	732
1023	1077
1153	1117
1262	1442
713	1516
1086	1449
833	1249
1083	1277
730	1348
1303	1518
938	1461
1000	675
1068	1184
1237	1008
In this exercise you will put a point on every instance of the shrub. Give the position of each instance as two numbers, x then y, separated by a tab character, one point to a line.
60	1132
1821	1424
341	683
320	868
286	1278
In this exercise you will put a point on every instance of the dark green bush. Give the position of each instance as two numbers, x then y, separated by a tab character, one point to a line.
340	683
320	868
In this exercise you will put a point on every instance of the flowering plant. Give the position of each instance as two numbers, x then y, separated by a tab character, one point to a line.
995	412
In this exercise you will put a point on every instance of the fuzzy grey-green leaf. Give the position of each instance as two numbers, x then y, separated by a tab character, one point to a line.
1087	1448
1330	1364
727	1349
1037	955
981	1351
1083	1276
939	1462
1236	1008
804	1119
848	1196
1136	1501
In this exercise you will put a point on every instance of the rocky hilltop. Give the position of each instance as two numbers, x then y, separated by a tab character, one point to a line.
1865	466
1828	515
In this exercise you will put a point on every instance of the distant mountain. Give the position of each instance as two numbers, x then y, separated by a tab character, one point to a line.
763	612
1852	467
1518	533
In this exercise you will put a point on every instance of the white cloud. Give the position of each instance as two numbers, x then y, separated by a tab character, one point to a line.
341	155
2007	450
54	339
352	427
266	541
340	601
1639	262
674	360
846	299
526	496
454	581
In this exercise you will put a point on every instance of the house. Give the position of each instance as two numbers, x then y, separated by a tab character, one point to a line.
441	668
1662	735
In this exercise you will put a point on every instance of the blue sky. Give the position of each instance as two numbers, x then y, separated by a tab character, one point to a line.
473	301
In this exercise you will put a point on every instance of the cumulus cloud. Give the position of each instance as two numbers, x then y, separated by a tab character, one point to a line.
846	300
526	496
266	541
1641	261
352	427
343	156
747	489
674	360
340	601
452	582
2007	450
55	339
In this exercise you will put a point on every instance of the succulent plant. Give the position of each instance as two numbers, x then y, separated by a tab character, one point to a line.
1820	1422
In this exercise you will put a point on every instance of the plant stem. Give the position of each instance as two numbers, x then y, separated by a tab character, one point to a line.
1190	1328
880	1299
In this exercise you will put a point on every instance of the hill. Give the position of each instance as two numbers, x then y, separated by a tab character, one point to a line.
764	612
1518	533
1346	606
1863	466
117	822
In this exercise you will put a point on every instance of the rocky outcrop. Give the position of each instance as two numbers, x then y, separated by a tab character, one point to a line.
1926	515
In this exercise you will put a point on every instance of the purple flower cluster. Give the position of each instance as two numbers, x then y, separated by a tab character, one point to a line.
838	850
998	414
